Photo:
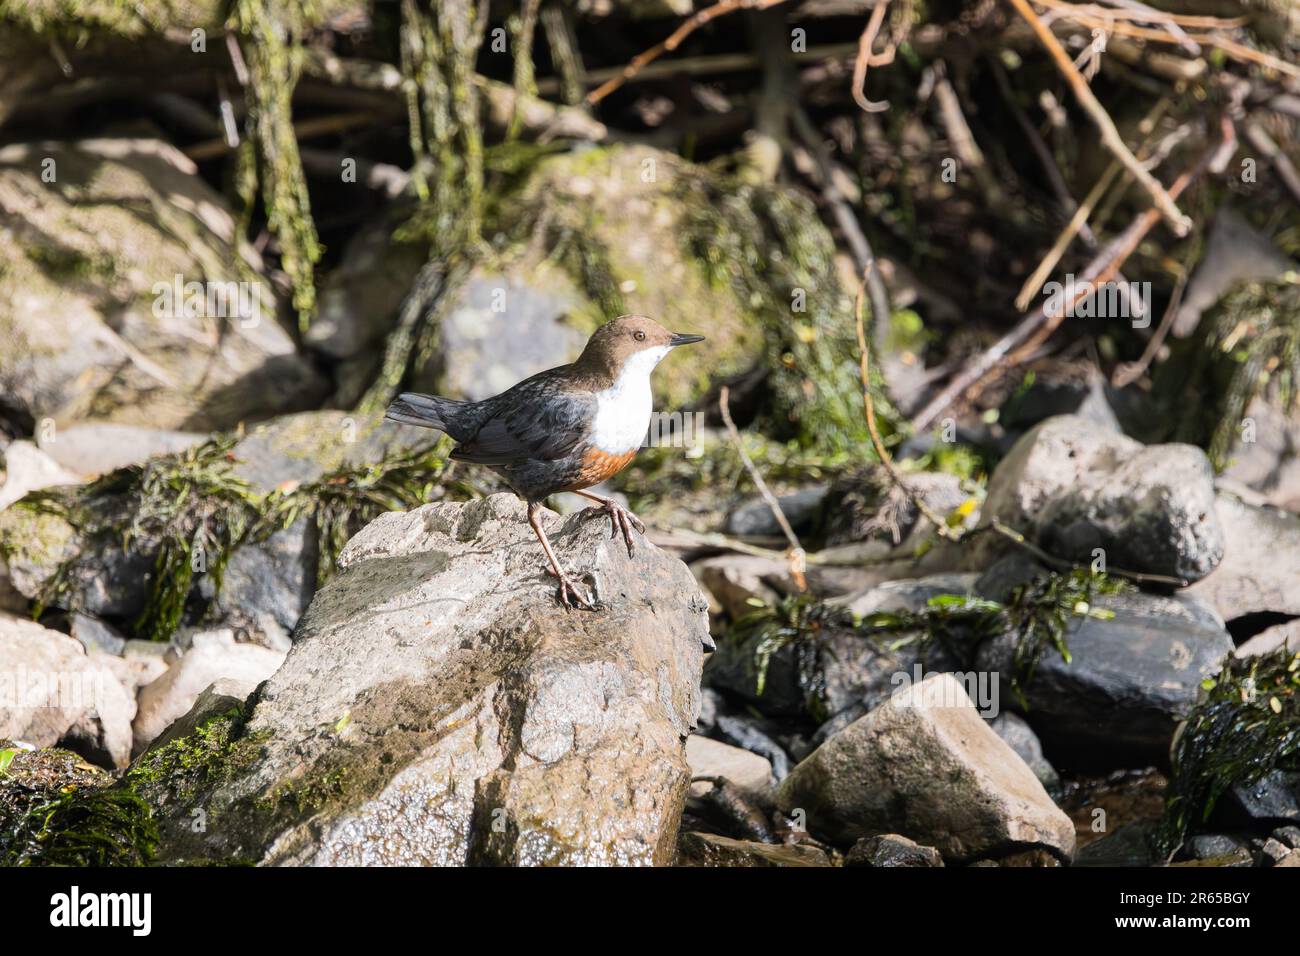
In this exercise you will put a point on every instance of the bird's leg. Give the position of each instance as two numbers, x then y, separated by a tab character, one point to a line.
620	518
570	593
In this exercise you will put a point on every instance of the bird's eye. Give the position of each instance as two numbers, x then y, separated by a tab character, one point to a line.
639	335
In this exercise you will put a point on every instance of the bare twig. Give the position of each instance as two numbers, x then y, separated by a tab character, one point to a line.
1109	134
795	554
864	59
689	26
1286	171
869	409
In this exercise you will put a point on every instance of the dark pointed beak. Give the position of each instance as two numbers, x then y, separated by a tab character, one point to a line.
683	338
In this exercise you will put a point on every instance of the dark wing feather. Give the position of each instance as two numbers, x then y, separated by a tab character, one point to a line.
539	419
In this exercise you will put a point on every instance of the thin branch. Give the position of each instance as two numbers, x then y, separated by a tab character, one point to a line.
795	554
864	59
674	40
1109	134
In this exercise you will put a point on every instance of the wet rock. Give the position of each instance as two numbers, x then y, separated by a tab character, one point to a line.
1252	577
82	313
1273	800
95	635
51	691
95	449
1271	639
440	706
710	849
224	696
1208	846
924	765
174	693
1047	399
891	849
1127	845
490	309
1129	682
27	468
754	516
1072	487
712	758
744	732
266	588
1021	738
1289	835
739	583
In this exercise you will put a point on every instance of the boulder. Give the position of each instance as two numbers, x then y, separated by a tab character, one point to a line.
753	517
99	447
27	468
712	758
87	263
711	850
51	691
890	849
1261	561
1129	681
439	706
1072	486
924	765
175	691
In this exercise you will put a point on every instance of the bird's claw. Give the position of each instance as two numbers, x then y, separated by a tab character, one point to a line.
571	595
621	521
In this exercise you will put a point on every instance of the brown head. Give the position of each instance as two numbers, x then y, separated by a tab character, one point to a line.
615	343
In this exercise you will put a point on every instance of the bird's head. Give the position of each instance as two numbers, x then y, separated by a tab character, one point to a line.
634	340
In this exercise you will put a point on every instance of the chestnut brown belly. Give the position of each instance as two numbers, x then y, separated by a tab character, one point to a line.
596	466
535	479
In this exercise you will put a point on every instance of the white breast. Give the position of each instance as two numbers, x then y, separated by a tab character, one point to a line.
623	409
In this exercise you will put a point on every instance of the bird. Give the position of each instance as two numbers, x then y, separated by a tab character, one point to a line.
565	429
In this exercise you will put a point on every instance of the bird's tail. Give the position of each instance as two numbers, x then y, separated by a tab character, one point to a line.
429	411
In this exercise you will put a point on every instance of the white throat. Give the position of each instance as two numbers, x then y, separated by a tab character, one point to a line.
623	409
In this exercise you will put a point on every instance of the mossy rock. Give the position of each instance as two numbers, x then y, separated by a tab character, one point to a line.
58	810
87	265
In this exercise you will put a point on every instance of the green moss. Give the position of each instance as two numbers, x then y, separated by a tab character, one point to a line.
1247	346
214	752
57	810
192	512
1246	724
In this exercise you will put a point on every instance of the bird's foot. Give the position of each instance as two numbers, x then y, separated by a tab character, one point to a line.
571	594
620	520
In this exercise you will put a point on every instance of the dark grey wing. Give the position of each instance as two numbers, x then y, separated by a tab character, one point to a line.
538	419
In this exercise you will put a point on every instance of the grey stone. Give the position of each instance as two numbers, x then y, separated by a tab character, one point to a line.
711	850
1261	561
924	765
94	449
1072	486
712	758
1021	738
175	691
1126	845
1129	682
1273	799
754	516
84	271
27	468
440	706
891	849
95	635
52	692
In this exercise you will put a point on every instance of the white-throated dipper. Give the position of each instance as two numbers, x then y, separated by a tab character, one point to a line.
564	429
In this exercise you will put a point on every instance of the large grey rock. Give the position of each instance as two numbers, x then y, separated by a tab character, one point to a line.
440	706
925	765
27	468
754	515
1129	681
51	691
1261	561
175	691
713	758
84	332
93	449
1072	486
